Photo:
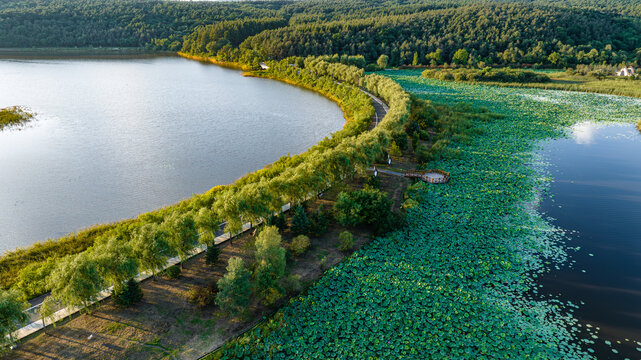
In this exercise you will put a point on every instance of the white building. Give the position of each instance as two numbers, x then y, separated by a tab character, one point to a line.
627	71
264	66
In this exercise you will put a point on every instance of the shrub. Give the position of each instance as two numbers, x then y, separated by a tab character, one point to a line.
211	257
128	293
299	245
345	241
172	272
201	296
300	222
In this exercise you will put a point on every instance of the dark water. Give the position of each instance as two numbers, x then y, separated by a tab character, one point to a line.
597	193
114	138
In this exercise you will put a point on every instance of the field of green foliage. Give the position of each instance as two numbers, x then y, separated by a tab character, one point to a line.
460	280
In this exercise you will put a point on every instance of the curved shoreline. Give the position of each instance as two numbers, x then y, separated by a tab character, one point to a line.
13	261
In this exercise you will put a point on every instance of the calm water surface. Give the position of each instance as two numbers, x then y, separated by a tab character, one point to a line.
115	138
597	193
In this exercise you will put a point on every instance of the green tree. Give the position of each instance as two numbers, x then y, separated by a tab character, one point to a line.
207	224
47	309
116	262
151	247
554	58
11	315
213	253
345	241
77	281
234	288
128	294
415	59
300	222
183	235
394	150
461	57
435	58
382	61
270	259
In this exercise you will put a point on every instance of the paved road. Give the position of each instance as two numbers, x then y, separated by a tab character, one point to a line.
380	107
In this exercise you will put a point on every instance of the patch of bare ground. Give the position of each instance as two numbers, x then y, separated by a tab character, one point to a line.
165	325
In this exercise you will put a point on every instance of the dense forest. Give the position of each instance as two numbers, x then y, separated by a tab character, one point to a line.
408	32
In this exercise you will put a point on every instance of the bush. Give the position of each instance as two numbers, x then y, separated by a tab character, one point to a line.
299	245
300	222
172	272
201	296
128	294
211	257
345	241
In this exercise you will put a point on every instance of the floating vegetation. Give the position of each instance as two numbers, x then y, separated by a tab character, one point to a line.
14	116
460	280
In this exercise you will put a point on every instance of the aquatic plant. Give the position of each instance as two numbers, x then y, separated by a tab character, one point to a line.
458	281
13	116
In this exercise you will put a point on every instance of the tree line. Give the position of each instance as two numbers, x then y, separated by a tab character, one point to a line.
422	32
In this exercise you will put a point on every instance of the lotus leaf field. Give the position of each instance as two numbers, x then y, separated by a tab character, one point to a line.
460	280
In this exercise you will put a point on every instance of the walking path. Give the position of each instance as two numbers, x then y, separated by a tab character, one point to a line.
37	324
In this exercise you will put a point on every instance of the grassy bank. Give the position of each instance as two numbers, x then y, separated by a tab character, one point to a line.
14	116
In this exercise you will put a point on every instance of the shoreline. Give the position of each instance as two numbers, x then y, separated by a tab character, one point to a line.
10	261
87	52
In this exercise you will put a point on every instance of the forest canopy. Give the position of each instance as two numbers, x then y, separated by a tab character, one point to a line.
408	32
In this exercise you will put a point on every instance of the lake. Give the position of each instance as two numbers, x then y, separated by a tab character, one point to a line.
113	138
597	196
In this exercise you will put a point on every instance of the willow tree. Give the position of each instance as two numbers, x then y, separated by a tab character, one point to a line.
183	235
76	281
116	262
151	248
207	223
12	315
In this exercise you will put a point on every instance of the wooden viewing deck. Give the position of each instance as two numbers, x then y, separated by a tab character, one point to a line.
432	176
